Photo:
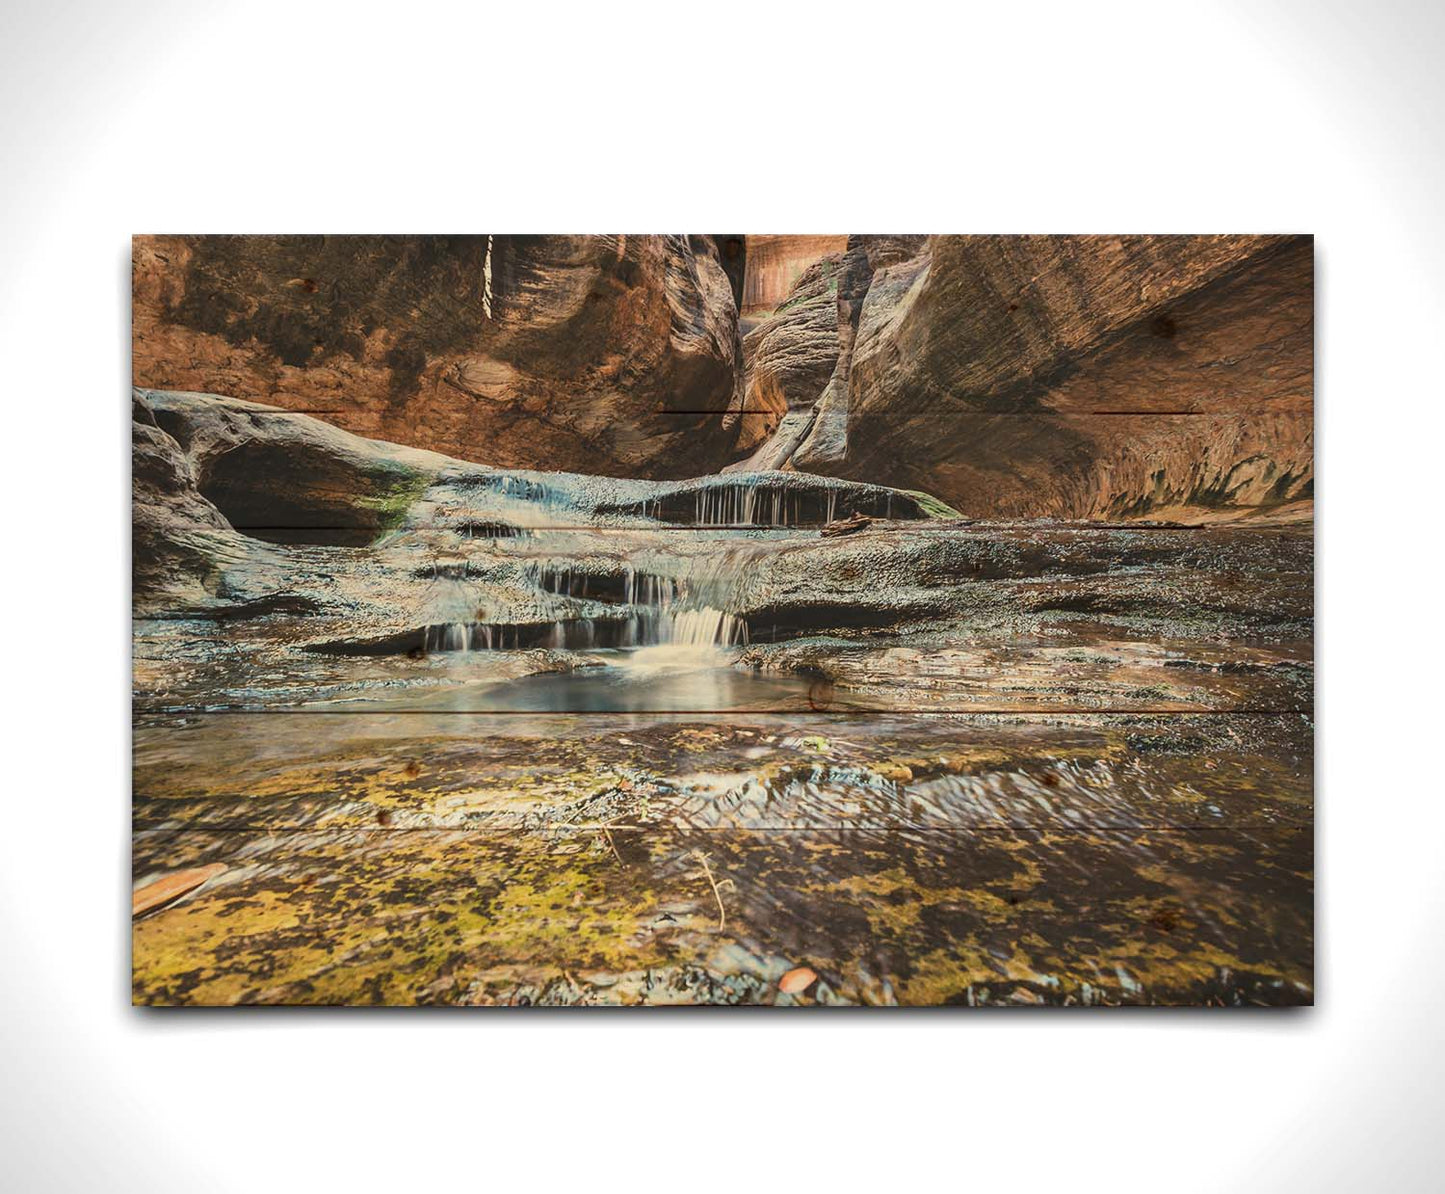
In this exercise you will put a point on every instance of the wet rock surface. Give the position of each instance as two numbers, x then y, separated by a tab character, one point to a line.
934	760
1013	861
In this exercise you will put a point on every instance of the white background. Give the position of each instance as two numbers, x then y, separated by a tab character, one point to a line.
1317	117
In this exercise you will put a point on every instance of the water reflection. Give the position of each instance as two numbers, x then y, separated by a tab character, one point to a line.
665	679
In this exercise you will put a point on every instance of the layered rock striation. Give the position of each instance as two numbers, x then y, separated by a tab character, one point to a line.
613	354
1167	377
1066	376
802	352
268	543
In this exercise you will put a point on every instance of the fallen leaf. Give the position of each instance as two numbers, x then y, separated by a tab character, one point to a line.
170	887
796	981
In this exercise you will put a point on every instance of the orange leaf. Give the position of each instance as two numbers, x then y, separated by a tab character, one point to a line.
170	887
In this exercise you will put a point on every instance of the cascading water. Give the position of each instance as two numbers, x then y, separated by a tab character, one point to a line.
769	500
751	504
506	505
690	607
654	612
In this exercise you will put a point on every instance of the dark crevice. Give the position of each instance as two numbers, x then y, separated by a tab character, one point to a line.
780	623
613	588
732	252
489	530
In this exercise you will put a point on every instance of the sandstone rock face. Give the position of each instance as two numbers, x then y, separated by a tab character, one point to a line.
800	353
283	477
1108	377
617	355
175	532
732	253
774	265
866	257
787	361
225	489
1081	376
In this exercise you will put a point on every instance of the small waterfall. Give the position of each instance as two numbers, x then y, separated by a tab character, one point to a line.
631	587
466	636
520	489
705	628
747	503
575	634
689	639
642	588
764	501
653	612
627	607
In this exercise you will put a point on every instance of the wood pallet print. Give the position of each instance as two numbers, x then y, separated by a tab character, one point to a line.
723	619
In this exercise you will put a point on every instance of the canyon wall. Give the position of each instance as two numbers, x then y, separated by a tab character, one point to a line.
1069	376
603	354
1075	376
774	265
802	352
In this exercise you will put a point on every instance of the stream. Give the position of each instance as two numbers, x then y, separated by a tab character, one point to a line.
669	743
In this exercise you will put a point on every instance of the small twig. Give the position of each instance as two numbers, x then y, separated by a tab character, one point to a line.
722	914
607	833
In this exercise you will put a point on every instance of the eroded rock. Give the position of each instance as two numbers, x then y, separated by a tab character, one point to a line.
1083	376
796	360
616	354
